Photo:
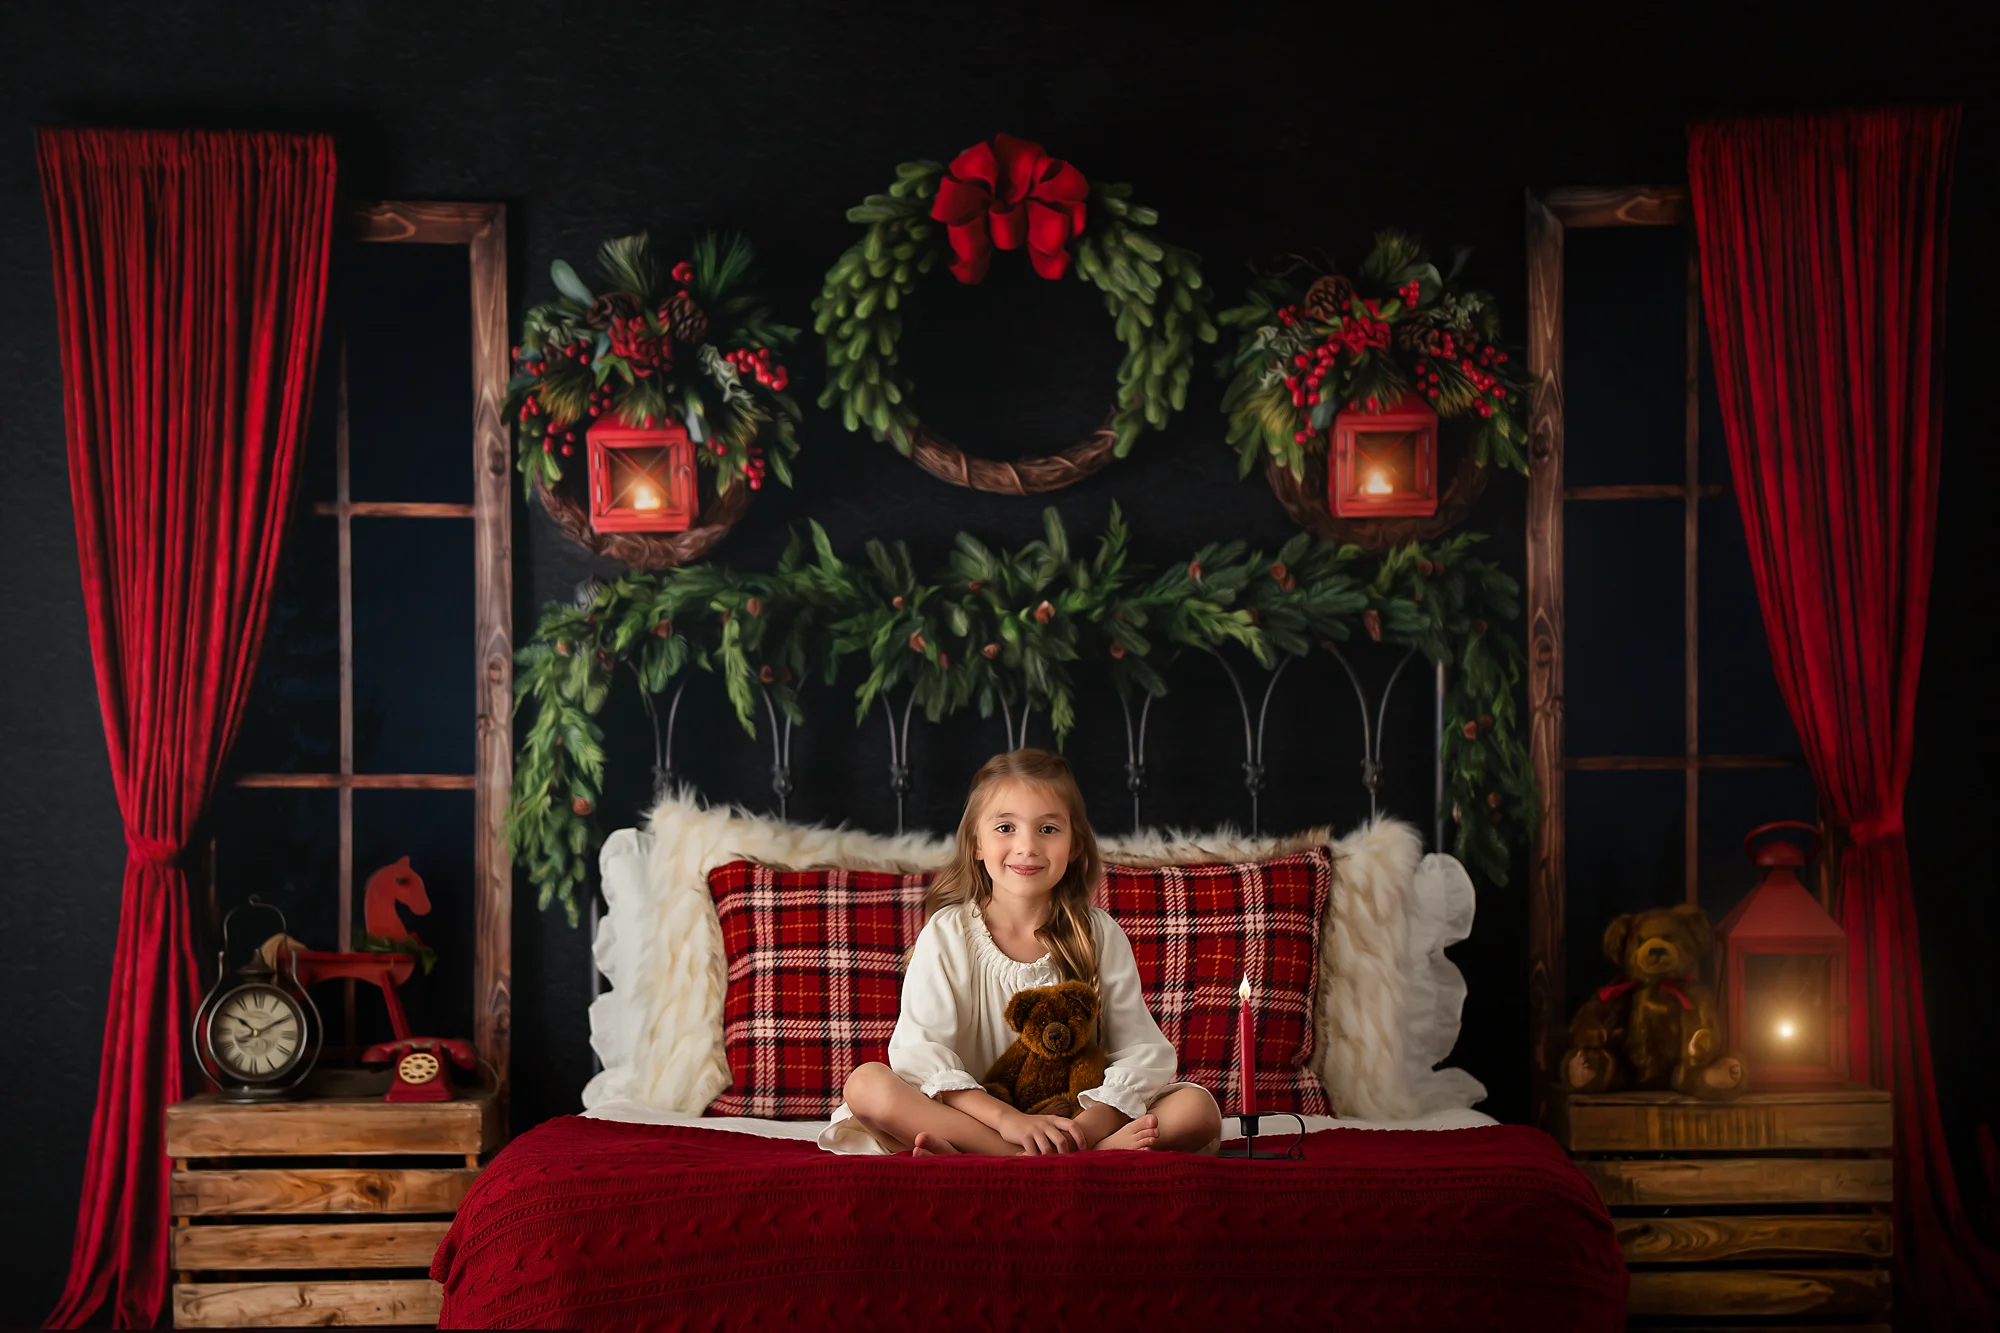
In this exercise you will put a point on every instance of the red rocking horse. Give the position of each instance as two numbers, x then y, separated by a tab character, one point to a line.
394	951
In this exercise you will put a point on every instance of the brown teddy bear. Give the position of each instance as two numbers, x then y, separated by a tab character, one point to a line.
1056	1056
1656	1028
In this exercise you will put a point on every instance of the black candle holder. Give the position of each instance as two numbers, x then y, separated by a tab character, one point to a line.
1246	1147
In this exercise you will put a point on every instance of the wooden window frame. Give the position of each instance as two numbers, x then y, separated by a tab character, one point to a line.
482	229
1549	217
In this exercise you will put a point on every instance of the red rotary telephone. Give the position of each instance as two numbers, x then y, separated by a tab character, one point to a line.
419	1066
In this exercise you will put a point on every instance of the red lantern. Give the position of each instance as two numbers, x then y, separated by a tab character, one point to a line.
641	480
1782	965
1385	463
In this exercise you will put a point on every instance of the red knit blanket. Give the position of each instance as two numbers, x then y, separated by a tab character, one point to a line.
590	1224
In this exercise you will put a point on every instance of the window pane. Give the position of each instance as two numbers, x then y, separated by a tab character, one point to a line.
1624	617
292	721
1624	355
409	372
435	830
283	846
1741	709
1625	839
413	646
1714	445
1734	801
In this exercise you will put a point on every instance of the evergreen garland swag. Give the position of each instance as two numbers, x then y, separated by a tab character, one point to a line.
994	625
1153	291
1398	326
685	344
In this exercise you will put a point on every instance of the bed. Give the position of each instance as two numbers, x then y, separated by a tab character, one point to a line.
599	1222
1407	1209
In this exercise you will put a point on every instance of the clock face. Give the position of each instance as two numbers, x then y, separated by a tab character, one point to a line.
257	1033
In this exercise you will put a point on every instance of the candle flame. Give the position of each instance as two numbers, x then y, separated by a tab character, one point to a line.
645	497
1786	1030
1243	991
1377	484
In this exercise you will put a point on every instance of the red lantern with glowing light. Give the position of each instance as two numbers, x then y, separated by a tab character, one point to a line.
1384	463
1782	968
641	480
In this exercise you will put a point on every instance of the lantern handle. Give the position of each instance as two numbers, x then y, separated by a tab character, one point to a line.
1755	835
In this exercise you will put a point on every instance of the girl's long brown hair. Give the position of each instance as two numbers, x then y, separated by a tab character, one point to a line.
964	880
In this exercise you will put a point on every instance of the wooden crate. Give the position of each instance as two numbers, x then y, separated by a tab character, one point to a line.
353	1188
1771	1207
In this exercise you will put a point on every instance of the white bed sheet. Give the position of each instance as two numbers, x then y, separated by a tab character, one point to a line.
634	1113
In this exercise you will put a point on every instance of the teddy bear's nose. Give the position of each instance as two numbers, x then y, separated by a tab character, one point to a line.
1056	1036
1656	951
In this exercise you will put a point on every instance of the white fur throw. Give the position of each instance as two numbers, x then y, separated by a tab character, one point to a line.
1389	1000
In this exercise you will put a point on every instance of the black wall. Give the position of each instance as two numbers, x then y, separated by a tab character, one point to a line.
1252	129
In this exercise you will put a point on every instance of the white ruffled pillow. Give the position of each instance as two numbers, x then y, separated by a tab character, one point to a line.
1389	1000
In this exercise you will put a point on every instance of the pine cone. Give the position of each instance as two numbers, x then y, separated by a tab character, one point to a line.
1324	297
609	307
688	321
1423	339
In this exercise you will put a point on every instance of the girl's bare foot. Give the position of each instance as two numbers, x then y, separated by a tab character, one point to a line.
932	1145
1138	1135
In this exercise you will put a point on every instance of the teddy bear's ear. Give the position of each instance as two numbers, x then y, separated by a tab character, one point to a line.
1081	994
1614	938
1695	921
1016	1012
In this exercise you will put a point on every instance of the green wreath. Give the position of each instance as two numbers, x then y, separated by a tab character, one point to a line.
685	344
1397	326
1008	195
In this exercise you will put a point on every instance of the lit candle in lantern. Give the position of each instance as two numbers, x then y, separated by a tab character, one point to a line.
1246	1052
645	497
1786	1030
1377	483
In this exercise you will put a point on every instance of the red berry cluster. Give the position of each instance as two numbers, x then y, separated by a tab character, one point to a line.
1476	362
1410	293
683	273
759	366
643	344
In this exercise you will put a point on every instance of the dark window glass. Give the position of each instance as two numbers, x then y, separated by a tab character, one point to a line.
283	846
413	646
409	373
291	723
1624	355
1624	668
1741	709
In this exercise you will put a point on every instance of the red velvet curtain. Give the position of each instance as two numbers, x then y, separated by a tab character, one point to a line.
190	276
1823	263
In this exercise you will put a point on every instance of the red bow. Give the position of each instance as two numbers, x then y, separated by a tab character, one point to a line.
1004	193
1669	985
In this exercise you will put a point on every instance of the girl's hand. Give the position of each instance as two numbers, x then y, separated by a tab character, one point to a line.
1038	1134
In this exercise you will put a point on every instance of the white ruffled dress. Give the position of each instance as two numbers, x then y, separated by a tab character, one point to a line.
952	1025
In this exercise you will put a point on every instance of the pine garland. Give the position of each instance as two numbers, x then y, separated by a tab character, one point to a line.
1153	291
994	628
1398	326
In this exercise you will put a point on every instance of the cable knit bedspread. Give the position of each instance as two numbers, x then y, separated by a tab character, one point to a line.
592	1224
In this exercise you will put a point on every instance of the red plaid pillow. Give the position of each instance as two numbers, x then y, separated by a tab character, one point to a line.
815	980
1197	931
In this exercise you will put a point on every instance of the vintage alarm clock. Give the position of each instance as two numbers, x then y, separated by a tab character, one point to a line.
257	1032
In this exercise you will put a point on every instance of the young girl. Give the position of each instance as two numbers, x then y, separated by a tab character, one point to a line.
1012	911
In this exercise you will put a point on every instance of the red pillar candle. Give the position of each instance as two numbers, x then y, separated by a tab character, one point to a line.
1246	1053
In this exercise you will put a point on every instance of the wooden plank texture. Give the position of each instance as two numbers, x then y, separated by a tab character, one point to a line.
1547	1021
1754	1293
493	653
308	1245
425	223
319	1190
306	1304
1687	1240
1721	1180
331	1126
1620	206
1664	1123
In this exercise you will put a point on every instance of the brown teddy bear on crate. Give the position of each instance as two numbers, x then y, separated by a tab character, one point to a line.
1056	1056
1657	1028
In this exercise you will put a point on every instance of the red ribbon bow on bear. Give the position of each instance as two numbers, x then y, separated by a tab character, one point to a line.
1002	194
1669	985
